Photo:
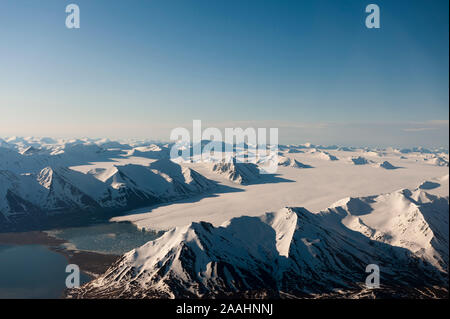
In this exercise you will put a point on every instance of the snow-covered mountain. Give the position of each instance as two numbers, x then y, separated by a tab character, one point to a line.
238	172
438	160
289	162
415	220
30	200
14	209
294	253
324	155
387	165
150	151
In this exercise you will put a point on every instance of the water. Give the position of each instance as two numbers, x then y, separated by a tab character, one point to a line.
109	238
35	271
32	271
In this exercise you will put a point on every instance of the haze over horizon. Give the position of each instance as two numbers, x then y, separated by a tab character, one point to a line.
310	68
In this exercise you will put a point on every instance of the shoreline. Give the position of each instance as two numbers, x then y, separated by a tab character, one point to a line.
92	264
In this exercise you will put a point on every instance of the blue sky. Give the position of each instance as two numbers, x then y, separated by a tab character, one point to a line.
311	68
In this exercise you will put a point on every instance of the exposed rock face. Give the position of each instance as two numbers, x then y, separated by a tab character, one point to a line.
359	160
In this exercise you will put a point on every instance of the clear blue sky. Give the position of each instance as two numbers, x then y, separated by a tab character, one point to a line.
139	68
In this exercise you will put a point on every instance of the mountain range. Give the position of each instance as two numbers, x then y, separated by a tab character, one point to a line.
32	200
294	253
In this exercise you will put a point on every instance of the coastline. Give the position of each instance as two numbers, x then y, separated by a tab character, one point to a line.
92	264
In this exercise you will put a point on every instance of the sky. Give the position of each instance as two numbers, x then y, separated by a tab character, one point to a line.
309	67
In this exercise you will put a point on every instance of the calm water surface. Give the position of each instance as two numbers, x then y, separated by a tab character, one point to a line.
34	271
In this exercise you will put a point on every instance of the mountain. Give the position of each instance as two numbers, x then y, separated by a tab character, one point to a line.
359	160
59	191
438	160
10	159
4	144
346	149
289	162
325	156
294	253
241	173
163	180
15	210
387	165
415	220
68	190
150	151
108	144
32	200
294	151
186	178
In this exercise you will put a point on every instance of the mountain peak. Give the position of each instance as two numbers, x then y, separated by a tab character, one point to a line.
291	250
